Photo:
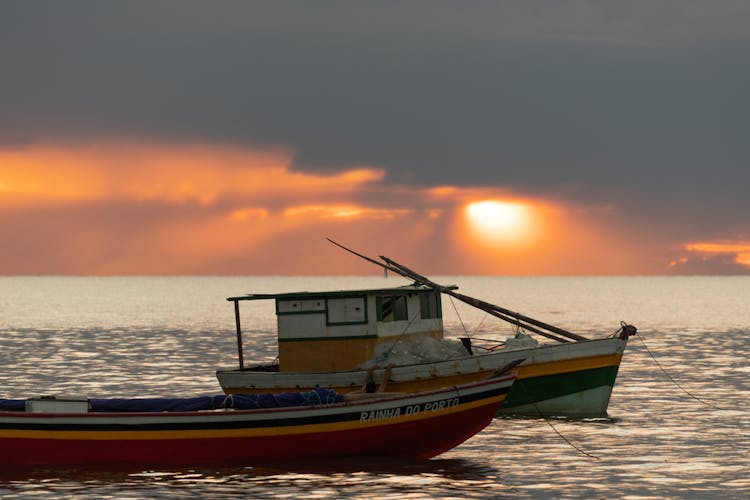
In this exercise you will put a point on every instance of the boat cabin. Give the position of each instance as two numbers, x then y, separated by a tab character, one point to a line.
338	330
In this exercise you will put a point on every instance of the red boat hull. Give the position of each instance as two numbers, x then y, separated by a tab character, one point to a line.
407	427
407	440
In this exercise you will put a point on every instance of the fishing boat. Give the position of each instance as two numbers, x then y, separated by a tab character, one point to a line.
329	338
68	431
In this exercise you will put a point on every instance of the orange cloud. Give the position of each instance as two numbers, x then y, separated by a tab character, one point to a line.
344	212
243	214
164	173
146	208
207	209
740	250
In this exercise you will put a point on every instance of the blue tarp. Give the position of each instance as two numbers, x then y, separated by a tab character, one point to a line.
12	404
235	401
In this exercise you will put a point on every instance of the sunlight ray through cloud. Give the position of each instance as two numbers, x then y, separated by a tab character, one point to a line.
181	209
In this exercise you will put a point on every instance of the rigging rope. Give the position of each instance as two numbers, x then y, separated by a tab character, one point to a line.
476	329
459	317
481	322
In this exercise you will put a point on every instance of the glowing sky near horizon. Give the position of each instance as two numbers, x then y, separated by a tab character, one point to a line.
166	209
509	138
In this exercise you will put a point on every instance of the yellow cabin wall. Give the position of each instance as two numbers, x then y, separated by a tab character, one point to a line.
322	355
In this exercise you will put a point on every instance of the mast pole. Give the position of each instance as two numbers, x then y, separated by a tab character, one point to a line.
239	332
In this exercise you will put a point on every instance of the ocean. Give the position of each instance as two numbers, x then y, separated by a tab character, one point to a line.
679	417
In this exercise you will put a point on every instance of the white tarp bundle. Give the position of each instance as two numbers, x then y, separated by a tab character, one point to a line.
425	349
520	341
414	350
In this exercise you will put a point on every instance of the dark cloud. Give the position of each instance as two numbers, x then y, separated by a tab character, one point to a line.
648	96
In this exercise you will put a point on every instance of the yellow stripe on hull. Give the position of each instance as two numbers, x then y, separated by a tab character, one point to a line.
567	366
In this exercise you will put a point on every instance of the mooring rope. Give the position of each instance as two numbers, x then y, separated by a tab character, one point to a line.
584	452
672	379
539	411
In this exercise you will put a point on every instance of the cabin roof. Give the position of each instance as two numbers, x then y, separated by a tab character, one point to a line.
401	290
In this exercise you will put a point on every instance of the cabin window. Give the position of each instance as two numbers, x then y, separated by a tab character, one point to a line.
392	308
296	306
429	305
350	310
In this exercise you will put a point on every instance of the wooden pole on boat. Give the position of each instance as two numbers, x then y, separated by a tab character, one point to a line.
239	332
485	306
479	304
492	309
365	257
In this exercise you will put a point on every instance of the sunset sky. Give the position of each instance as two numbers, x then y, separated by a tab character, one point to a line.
499	138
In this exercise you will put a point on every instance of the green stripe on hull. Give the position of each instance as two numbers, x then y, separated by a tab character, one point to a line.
536	390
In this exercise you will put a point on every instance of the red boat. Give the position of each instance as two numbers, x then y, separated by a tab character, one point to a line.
420	425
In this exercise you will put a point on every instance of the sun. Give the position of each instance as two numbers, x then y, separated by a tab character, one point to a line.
500	223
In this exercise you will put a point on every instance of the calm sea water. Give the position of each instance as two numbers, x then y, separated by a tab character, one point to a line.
154	336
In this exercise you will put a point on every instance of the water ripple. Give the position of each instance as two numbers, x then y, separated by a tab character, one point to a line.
658	441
